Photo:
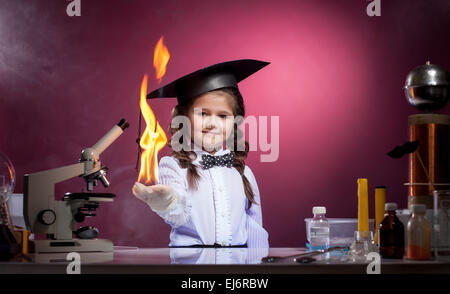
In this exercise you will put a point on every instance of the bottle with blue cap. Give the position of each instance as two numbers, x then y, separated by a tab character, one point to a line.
319	229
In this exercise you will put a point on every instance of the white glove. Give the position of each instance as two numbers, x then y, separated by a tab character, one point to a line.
158	197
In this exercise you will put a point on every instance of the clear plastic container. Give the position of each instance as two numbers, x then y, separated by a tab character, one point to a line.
319	230
341	230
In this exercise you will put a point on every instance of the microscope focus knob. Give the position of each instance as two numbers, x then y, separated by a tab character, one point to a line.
79	217
46	217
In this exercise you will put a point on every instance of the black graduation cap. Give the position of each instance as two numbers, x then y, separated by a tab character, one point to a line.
221	75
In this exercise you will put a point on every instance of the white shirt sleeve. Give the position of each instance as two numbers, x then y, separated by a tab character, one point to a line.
170	174
258	237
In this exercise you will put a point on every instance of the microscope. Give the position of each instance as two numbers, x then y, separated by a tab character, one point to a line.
57	219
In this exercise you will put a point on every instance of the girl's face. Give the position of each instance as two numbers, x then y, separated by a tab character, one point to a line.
212	120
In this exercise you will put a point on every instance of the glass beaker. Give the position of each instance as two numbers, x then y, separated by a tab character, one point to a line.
7	183
363	244
441	223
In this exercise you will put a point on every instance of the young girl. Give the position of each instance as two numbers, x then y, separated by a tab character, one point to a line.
208	195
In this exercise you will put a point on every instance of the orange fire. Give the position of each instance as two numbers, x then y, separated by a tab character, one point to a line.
153	139
161	57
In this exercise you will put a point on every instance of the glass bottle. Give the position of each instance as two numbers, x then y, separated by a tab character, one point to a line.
392	234
319	229
8	243
418	234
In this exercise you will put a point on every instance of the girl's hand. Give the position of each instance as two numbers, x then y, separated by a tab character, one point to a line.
158	197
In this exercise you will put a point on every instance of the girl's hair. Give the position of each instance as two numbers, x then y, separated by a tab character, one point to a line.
186	158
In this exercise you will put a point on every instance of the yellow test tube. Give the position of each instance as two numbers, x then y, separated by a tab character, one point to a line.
25	236
380	200
363	206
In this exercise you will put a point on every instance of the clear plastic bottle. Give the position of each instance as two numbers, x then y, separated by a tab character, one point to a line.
418	234
392	234
319	229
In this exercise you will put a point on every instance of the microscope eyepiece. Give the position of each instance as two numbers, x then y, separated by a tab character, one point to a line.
123	124
110	136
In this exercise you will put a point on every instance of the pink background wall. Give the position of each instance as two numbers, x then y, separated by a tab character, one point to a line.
334	80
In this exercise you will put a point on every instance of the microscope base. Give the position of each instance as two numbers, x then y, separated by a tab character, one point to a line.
74	245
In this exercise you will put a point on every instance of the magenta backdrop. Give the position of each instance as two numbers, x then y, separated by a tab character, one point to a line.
334	80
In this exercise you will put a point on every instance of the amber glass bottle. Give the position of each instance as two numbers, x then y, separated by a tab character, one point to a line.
392	234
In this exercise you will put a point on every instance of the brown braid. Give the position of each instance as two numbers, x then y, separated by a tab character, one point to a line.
187	157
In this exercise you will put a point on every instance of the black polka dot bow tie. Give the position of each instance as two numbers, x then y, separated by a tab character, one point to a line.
209	161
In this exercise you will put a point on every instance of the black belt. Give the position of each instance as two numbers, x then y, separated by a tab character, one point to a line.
210	246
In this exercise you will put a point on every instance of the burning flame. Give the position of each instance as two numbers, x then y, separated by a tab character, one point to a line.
152	140
161	57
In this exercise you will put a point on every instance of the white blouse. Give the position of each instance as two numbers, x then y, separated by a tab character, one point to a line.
216	212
